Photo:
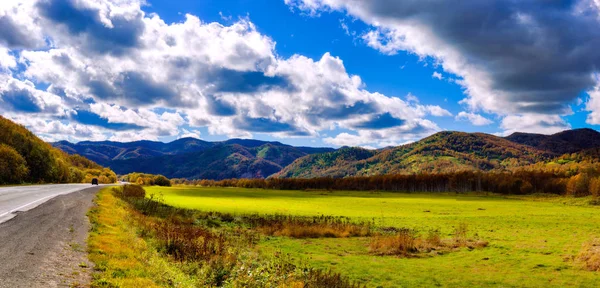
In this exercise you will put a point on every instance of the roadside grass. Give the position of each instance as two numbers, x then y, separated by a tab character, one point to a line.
532	241
121	258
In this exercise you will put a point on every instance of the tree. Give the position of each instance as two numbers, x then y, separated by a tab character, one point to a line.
13	168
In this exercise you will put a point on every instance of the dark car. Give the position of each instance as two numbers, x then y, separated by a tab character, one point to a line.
95	181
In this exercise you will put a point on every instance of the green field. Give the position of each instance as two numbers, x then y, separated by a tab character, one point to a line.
533	241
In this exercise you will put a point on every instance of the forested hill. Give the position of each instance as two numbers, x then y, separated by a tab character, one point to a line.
24	158
192	158
569	141
444	152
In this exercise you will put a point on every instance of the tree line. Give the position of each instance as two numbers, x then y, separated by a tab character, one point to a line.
520	182
146	179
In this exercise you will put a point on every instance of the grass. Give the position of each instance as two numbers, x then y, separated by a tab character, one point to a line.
532	241
139	242
122	259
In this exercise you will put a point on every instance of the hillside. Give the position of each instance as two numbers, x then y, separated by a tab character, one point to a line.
439	153
24	158
569	141
192	158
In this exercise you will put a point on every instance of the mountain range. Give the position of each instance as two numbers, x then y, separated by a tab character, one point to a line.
192	158
445	151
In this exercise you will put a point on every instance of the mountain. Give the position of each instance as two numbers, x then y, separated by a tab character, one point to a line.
192	158
26	158
569	141
439	153
103	152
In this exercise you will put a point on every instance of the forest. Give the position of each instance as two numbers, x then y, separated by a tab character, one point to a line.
583	182
25	158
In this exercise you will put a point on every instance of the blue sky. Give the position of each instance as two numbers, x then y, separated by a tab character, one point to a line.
314	73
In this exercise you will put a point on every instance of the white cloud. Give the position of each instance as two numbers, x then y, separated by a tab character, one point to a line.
533	123
437	111
475	119
228	78
593	105
437	75
507	81
189	134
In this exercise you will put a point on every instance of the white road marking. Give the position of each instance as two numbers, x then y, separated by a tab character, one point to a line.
20	207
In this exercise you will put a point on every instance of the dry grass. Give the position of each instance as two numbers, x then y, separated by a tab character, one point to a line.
314	230
307	227
590	255
408	243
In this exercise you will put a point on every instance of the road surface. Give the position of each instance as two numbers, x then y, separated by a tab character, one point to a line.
43	235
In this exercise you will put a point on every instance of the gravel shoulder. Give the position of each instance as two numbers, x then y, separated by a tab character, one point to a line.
46	246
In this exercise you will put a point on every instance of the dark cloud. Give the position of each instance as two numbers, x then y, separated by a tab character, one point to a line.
13	36
385	120
86	22
534	51
318	113
228	80
262	125
90	118
135	88
139	88
219	107
20	100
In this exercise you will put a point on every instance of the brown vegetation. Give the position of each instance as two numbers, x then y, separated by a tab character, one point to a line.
312	227
408	243
590	255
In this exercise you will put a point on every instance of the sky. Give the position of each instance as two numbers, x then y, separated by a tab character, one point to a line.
302	72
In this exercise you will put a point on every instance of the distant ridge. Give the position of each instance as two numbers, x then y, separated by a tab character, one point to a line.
444	152
192	158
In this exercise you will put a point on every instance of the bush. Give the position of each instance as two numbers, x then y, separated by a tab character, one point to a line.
131	191
161	180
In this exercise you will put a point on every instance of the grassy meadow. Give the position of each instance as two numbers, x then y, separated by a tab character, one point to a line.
534	241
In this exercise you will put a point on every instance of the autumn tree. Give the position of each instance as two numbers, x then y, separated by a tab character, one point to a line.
13	168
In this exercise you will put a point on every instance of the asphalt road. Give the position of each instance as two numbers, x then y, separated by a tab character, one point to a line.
23	198
46	245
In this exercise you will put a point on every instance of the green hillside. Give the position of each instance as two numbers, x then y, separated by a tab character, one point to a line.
440	153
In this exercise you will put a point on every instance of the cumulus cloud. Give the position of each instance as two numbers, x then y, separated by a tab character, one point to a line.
512	57
128	75
475	119
593	105
534	123
437	75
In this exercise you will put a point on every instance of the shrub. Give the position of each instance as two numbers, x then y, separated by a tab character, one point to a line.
130	191
161	180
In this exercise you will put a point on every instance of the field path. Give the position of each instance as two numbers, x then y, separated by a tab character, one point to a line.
46	245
